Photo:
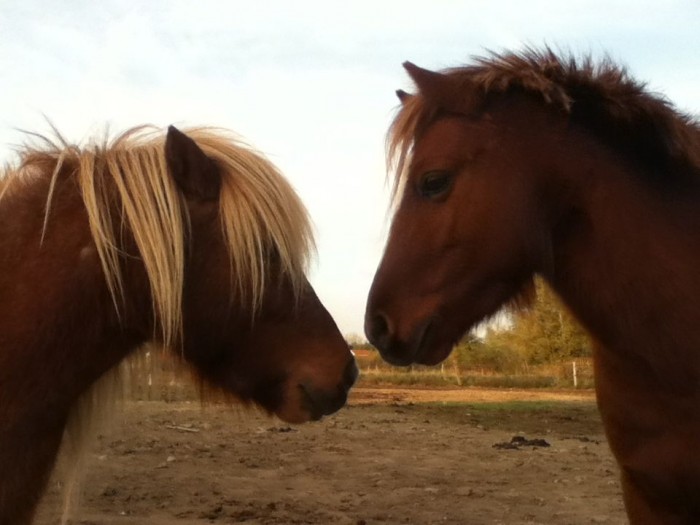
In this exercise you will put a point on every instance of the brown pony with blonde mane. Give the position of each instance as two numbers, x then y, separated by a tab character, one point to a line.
193	241
529	164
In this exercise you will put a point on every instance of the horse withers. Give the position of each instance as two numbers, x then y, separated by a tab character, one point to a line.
190	240
527	164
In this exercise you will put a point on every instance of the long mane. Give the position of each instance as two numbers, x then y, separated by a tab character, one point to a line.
601	97
125	181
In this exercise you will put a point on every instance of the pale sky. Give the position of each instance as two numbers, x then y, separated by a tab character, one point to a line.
309	83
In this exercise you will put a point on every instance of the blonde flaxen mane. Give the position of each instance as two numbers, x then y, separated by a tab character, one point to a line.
259	210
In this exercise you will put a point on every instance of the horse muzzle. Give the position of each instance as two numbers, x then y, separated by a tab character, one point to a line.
313	397
319	402
423	346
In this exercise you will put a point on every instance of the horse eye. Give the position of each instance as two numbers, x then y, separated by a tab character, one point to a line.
434	184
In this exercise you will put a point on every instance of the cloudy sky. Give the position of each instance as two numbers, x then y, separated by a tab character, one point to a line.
309	83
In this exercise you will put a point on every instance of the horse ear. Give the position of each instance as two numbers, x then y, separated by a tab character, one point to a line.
443	90
403	96
196	174
432	85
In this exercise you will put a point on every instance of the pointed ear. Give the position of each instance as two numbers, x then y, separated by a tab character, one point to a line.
196	174
403	96
444	90
432	85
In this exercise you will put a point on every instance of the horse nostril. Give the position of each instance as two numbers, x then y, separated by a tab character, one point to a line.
378	330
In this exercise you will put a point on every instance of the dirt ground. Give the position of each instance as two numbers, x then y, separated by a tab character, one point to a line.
391	457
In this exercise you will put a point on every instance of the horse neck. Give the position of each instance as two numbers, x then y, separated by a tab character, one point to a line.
626	255
60	331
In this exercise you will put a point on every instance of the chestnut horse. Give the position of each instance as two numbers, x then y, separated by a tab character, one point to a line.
527	164
193	241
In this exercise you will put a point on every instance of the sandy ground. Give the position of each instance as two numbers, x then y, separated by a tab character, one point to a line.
392	457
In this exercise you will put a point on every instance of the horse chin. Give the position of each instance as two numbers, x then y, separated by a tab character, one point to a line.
437	338
430	344
294	415
303	403
436	344
435	356
303	400
444	331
